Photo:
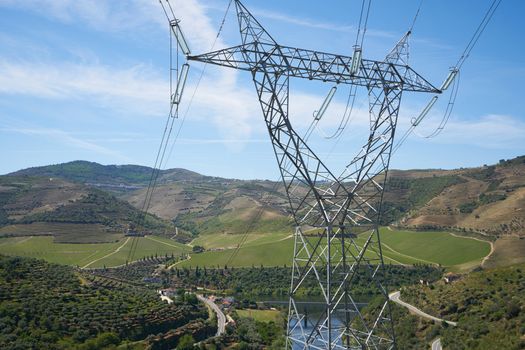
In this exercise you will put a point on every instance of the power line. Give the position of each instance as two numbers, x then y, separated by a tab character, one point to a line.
454	74
161	158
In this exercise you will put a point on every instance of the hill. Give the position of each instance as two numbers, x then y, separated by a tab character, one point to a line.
488	306
54	206
486	202
230	208
196	203
489	199
114	177
47	306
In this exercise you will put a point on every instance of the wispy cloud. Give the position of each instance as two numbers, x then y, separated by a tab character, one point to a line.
137	88
309	22
304	22
219	141
489	131
99	15
234	111
68	139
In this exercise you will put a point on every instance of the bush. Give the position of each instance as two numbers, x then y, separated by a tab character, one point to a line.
186	342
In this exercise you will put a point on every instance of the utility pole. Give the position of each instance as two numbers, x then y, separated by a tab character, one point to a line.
337	241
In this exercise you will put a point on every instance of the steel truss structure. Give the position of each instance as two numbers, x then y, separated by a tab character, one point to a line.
337	241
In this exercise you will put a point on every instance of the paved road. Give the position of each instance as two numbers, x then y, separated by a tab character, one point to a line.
436	344
395	297
221	319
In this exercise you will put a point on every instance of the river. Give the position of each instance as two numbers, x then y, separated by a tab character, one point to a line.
313	308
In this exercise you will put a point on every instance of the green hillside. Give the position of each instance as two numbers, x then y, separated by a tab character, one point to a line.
94	173
217	213
488	305
26	201
47	306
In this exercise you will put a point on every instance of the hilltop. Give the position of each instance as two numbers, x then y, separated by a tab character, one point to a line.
112	177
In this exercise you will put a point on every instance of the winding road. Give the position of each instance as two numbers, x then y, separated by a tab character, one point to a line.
396	298
221	319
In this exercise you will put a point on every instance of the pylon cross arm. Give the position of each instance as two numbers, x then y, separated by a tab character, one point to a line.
316	65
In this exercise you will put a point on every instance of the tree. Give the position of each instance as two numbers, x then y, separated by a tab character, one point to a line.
197	249
186	342
191	298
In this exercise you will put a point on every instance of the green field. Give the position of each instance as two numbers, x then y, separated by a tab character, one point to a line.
434	247
89	255
399	247
261	315
225	240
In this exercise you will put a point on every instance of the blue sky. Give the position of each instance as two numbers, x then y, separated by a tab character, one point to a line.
88	79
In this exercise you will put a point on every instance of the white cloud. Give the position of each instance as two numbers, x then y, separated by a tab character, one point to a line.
68	139
489	131
97	14
137	88
124	16
221	99
303	22
310	23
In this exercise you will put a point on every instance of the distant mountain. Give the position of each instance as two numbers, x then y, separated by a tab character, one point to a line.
26	200
197	203
488	200
116	176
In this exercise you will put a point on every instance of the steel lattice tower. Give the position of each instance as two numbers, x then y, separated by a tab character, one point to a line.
333	209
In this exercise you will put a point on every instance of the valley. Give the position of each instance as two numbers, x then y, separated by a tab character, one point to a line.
235	238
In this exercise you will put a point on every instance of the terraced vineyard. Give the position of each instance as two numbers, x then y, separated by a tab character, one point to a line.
48	306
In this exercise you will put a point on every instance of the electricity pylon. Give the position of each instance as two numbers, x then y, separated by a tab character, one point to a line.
337	240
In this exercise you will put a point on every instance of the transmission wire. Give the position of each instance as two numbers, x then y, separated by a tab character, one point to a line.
165	140
466	53
190	103
347	115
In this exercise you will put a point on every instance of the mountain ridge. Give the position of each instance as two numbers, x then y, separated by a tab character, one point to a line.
484	199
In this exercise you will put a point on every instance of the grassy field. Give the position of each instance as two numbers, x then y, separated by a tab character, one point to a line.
399	247
225	240
261	315
434	247
88	255
268	254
